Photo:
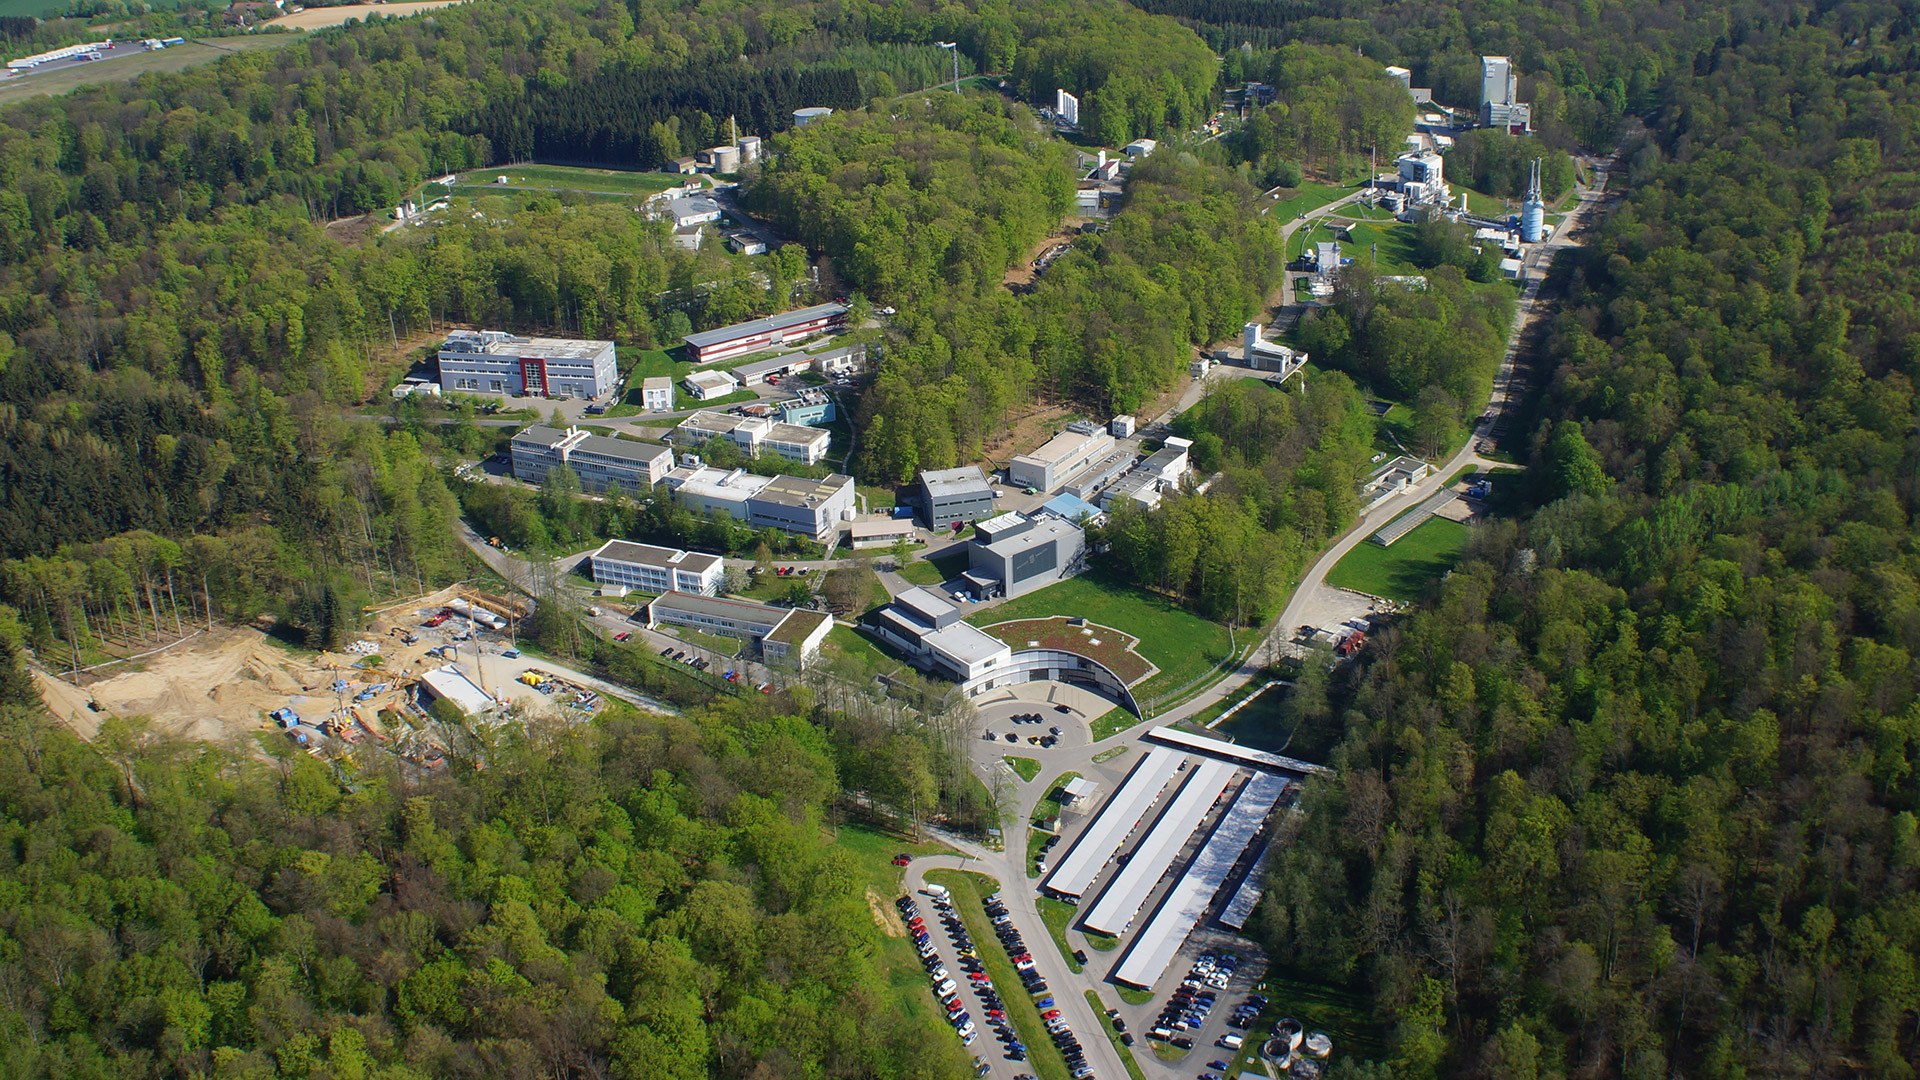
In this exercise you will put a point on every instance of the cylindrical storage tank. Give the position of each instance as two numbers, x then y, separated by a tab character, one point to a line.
1533	219
726	159
1289	1030
1319	1044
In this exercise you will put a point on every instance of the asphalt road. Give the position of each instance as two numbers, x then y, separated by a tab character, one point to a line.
1077	754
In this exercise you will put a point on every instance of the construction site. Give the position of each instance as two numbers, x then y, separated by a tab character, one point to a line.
229	684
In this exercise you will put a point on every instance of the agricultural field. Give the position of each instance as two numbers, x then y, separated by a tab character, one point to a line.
1403	571
320	18
128	68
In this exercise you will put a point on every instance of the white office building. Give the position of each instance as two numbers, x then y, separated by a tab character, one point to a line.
1049	466
646	568
929	631
599	461
754	434
495	362
656	393
707	385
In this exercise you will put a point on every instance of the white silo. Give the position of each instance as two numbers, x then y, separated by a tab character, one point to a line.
1533	212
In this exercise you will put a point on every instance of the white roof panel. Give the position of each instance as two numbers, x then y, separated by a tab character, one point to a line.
1159	942
1155	855
1187	740
1247	896
1091	853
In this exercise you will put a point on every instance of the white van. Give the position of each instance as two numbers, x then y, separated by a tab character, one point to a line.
938	892
1230	1041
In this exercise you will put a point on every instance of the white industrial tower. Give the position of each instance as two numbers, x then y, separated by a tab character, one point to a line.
1533	212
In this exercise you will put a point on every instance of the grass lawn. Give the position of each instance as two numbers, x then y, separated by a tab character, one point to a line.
848	642
873	852
1366	213
639	364
1394	429
1339	1012
1113	1035
1057	914
1140	997
1394	239
1304	198
571	178
1183	645
1111	723
1110	753
1048	807
1483	204
1403	571
1024	767
933	571
968	888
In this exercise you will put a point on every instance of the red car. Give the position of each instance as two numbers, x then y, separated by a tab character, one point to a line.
624	635
954	1006
1050	1014
902	859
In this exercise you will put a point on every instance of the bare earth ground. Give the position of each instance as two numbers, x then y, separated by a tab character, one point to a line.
319	18
1025	432
352	231
220	686
883	915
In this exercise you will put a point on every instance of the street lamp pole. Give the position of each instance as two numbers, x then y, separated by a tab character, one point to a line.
954	48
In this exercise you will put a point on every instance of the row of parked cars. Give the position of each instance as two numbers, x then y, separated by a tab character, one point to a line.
1050	1013
1191	1004
943	985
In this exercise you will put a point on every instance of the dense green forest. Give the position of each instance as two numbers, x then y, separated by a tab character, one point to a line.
932	204
1632	794
645	897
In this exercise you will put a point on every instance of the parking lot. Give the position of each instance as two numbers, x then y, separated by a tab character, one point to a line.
1213	962
956	976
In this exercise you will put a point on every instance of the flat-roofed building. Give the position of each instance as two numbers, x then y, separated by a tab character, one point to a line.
787	636
1014	557
602	462
812	508
707	385
599	461
538	449
753	434
704	489
727	342
785	364
795	643
1137	486
1049	466
929	631
948	496
656	393
881	532
646	568
496	362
